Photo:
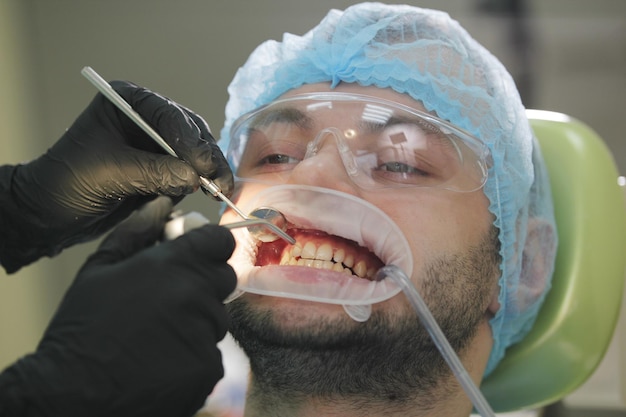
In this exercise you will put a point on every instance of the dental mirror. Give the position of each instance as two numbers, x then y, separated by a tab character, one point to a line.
271	216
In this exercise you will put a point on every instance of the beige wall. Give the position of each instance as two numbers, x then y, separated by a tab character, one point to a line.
23	315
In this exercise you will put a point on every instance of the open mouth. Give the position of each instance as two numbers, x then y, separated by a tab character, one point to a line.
321	250
342	241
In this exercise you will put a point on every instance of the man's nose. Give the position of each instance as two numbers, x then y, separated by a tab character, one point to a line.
327	164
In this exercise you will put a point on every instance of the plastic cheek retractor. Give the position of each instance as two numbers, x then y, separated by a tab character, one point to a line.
322	216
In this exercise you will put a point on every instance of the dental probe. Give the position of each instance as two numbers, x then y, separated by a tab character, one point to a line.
182	223
206	184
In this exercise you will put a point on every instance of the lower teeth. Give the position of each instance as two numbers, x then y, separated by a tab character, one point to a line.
320	264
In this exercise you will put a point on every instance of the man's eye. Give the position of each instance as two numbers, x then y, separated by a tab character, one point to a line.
276	159
401	168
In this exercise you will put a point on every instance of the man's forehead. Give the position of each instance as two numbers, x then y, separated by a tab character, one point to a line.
384	93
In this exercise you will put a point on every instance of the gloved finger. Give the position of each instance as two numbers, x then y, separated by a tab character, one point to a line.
203	250
167	117
198	290
142	229
223	177
217	167
186	132
144	173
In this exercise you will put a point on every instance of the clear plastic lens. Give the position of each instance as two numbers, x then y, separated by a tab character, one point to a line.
381	144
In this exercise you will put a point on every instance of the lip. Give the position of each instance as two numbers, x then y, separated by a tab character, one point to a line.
307	275
319	210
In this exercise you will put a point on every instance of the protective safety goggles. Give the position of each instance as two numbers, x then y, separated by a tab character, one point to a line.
381	143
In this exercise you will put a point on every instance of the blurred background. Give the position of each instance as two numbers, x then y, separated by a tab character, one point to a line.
566	55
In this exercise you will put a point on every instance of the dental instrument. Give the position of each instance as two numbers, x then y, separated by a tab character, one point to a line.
206	184
182	223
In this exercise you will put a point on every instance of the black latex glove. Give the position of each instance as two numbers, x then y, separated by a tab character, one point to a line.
136	332
99	171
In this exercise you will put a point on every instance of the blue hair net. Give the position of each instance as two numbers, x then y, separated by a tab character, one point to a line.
429	56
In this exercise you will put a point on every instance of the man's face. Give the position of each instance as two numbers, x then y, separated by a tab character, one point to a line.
454	248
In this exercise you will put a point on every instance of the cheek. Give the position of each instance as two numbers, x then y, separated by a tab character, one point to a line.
436	221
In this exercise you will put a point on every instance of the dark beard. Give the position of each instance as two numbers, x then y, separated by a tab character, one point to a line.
389	359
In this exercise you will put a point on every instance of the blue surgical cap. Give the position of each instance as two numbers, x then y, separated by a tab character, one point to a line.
429	56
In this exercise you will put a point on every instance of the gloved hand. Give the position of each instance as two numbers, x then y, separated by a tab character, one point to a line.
136	332
101	169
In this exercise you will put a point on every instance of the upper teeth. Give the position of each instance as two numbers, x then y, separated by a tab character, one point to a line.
323	257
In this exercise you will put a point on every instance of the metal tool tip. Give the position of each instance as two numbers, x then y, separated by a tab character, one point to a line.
272	216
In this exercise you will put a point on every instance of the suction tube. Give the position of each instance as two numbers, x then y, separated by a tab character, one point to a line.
402	280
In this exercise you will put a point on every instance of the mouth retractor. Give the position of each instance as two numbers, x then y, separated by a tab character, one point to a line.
336	214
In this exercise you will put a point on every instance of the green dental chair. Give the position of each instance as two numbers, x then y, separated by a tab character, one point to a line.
577	321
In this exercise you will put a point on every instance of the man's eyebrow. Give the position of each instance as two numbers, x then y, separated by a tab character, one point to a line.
289	115
372	126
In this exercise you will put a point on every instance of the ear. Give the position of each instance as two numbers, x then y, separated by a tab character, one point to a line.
494	304
537	262
537	265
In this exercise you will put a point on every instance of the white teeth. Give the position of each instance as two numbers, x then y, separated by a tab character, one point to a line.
324	252
371	273
360	269
349	261
305	262
322	257
308	251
